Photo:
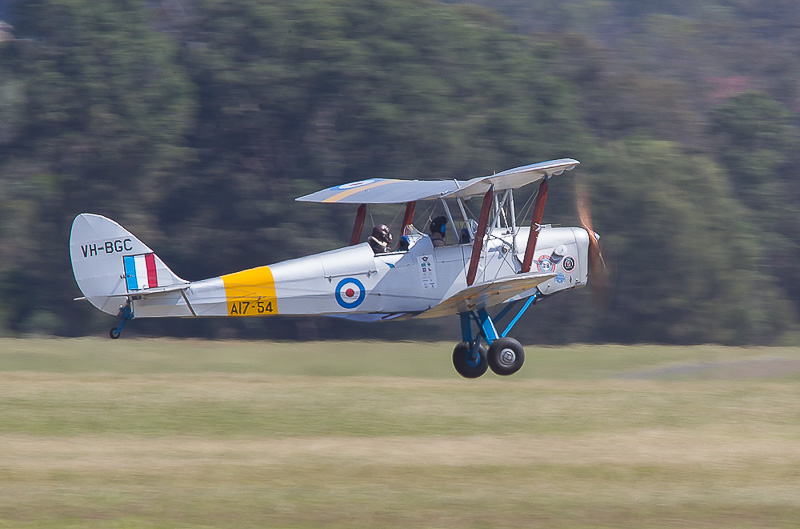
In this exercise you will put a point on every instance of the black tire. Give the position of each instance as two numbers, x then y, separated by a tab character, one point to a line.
467	363
114	333
505	356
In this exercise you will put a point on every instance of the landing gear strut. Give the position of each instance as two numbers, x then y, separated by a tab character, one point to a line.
505	355
125	313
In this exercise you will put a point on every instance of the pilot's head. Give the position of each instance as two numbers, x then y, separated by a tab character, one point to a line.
381	233
404	244
439	225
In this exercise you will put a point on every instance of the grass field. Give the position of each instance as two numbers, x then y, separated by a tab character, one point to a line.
194	434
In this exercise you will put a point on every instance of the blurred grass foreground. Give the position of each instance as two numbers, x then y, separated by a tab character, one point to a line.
198	434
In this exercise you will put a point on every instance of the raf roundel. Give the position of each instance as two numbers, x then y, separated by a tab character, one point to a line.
356	185
350	293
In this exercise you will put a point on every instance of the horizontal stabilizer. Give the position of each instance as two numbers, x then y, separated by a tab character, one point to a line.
151	291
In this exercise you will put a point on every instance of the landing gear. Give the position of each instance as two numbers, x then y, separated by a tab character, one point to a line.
125	313
506	356
470	360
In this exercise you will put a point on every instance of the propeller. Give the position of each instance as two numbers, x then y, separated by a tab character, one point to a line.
598	270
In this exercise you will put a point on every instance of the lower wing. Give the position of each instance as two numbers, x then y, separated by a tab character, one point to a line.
486	294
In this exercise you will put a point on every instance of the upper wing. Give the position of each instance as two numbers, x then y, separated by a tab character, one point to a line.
392	191
486	294
382	191
514	178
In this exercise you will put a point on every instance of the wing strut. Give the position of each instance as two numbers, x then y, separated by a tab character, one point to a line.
358	227
477	244
536	220
408	217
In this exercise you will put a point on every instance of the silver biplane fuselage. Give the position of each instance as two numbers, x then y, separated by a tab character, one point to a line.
500	264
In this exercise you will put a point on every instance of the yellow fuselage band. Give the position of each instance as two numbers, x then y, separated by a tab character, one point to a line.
251	292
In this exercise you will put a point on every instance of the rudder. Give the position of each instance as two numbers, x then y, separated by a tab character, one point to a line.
110	264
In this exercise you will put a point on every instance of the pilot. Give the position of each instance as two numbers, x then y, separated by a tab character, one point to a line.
438	230
404	244
381	239
465	237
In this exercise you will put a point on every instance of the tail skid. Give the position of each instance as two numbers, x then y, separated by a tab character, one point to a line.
112	266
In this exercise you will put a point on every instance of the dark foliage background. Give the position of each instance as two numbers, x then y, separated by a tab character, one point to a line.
195	123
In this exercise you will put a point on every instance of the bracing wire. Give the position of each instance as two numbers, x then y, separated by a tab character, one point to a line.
526	208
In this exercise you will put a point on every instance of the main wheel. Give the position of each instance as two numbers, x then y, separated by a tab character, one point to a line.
469	362
114	333
505	356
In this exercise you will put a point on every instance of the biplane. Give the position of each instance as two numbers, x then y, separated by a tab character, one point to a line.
493	261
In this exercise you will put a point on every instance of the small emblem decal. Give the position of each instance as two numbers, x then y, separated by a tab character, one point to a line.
545	264
427	271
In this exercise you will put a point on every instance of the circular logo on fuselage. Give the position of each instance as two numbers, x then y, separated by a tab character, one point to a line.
568	263
350	293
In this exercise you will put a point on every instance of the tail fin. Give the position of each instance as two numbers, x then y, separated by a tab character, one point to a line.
111	264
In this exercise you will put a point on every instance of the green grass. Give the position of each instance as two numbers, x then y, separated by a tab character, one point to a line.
189	434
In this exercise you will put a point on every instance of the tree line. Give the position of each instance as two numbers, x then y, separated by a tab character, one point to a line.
195	123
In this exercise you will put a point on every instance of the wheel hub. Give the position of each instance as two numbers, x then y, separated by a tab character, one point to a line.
473	359
507	357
